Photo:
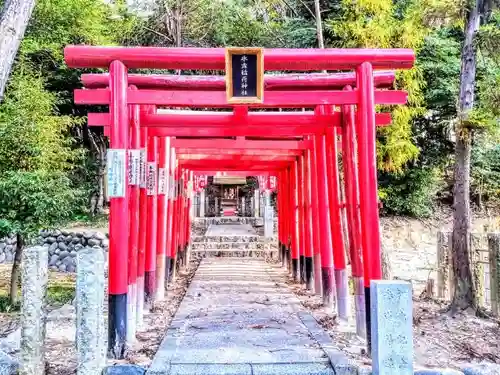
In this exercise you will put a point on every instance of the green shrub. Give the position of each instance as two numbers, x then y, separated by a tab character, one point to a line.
411	193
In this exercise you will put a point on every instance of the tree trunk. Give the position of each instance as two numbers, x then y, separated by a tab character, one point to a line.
463	296
319	26
98	147
13	21
101	193
16	271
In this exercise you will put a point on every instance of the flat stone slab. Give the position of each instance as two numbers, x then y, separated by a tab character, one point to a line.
230	230
237	319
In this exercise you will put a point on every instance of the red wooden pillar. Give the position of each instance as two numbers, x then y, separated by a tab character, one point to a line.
327	272
118	217
161	230
284	219
175	227
182	244
339	261
143	215
170	217
294	221
370	226
151	238
315	221
309	224
189	218
133	186
288	216
302	237
349	162
281	218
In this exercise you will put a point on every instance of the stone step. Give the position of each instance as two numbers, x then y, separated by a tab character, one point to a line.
207	221
198	246
229	238
231	253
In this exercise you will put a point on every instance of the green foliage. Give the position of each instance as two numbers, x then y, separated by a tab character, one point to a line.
6	304
410	193
35	157
486	171
30	201
60	293
32	135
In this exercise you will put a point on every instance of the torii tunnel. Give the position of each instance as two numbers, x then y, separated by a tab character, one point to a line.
166	129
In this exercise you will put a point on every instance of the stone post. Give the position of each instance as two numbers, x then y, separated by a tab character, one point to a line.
494	259
243	209
391	327
33	314
443	264
256	201
90	331
477	267
202	203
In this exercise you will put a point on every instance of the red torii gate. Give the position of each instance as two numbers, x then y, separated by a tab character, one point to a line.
299	179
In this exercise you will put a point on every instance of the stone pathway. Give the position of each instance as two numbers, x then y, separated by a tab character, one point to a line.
236	318
230	230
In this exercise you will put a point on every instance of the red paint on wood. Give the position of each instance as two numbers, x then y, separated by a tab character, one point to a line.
218	99
370	229
81	56
152	152
119	220
310	81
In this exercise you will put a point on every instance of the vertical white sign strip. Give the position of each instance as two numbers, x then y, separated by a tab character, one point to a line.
142	170
162	181
134	167
151	178
116	164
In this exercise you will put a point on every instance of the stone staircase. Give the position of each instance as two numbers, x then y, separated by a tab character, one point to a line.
235	237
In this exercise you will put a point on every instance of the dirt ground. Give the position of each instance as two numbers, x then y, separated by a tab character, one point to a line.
440	340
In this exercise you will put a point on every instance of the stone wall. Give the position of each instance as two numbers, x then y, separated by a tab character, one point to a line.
62	245
7	249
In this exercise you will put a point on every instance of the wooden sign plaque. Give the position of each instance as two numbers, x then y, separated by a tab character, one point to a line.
245	75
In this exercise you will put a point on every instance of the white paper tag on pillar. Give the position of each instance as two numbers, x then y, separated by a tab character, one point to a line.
134	167
116	165
162	181
142	171
151	178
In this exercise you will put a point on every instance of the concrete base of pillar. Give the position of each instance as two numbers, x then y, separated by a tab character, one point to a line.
295	270
368	319
173	268
131	313
309	273
168	269
302	269
149	289
327	283
117	325
140	302
317	275
160	278
359	306
342	286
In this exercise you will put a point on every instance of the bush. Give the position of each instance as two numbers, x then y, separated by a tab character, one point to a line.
411	193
